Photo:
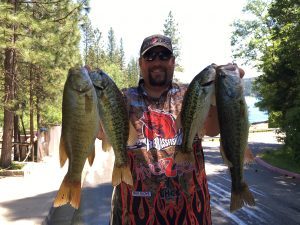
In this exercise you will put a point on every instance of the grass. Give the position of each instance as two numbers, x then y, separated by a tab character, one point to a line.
281	158
14	166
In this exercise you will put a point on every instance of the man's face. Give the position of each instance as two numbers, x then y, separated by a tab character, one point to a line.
157	67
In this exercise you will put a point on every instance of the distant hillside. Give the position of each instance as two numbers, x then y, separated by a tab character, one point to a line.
248	83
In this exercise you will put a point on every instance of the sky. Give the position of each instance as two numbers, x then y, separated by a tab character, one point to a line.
204	28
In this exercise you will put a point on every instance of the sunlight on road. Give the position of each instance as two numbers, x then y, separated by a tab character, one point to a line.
101	169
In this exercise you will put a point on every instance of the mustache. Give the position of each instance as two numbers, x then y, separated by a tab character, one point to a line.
157	68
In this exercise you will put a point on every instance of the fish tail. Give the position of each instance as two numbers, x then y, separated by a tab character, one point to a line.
68	192
241	197
127	176
120	174
182	157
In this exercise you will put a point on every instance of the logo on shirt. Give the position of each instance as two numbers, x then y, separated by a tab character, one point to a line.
159	129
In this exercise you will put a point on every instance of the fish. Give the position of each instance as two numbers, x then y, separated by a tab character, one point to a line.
234	129
195	107
114	119
248	156
80	125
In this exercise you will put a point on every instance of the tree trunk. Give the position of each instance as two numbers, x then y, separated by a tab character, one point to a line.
31	115
9	75
38	107
9	79
16	138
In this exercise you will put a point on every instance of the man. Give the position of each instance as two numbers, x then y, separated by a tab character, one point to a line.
157	196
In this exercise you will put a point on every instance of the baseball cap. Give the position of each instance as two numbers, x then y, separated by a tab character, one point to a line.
156	40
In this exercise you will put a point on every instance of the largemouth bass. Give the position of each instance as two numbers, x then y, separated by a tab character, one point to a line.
80	125
114	120
194	111
234	129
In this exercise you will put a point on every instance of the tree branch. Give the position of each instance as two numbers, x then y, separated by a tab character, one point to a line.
57	20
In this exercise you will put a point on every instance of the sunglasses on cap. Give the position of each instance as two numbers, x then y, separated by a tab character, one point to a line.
162	55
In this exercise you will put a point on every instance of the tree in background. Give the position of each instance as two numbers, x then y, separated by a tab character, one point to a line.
121	55
39	44
133	72
272	39
111	46
88	38
171	30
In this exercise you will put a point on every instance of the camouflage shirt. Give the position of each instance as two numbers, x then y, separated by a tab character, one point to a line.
163	192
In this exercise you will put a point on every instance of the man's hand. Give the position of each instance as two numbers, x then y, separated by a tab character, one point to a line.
232	66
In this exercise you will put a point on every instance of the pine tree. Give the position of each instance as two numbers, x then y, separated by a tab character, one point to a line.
121	55
171	30
40	44
111	47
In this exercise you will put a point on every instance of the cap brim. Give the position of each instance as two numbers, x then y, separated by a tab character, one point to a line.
155	45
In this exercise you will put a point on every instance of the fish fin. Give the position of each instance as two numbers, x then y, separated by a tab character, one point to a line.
75	194
91	156
122	174
132	137
241	198
106	146
68	192
181	157
225	160
248	156
116	176
127	176
62	152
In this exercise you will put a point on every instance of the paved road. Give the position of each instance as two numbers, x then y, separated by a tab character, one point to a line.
277	197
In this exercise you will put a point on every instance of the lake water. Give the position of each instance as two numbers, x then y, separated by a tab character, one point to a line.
255	115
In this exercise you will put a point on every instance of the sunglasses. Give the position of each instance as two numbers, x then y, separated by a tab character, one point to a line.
163	55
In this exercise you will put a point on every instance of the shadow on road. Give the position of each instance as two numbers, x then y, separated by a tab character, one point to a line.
21	209
94	208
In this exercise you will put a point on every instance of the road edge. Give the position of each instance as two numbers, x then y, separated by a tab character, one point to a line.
276	169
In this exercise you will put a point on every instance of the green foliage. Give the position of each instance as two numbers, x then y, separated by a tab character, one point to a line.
14	166
272	38
251	36
274	118
291	126
46	39
112	59
111	47
171	30
132	73
282	158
